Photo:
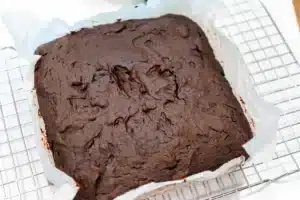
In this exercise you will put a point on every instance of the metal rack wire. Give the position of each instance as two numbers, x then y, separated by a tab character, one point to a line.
21	173
275	73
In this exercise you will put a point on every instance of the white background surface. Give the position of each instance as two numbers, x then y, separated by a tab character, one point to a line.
281	10
285	189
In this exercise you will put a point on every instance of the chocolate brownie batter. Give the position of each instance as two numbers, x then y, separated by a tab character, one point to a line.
137	101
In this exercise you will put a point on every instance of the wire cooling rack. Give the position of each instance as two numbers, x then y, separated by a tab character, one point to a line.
21	173
275	73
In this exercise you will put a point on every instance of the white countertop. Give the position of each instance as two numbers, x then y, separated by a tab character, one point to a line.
286	188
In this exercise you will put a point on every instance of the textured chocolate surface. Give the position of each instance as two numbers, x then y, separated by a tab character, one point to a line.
137	101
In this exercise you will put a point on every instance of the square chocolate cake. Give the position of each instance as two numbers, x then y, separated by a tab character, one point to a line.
134	102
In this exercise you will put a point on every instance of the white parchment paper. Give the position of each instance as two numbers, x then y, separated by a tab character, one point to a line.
28	33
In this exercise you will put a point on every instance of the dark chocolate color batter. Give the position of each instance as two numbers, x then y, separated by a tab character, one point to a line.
137	101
